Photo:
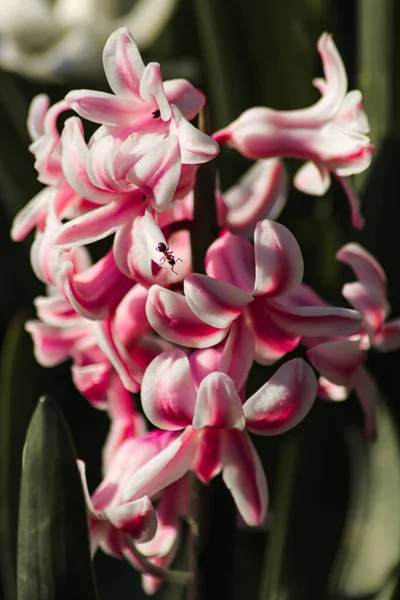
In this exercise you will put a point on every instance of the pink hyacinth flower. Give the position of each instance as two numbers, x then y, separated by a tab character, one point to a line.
341	361
330	135
191	394
144	110
255	282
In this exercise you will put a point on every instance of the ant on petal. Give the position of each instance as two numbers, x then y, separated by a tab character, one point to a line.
168	256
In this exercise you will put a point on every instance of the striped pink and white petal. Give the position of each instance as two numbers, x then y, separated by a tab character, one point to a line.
218	404
107	109
74	156
315	320
337	360
279	263
171	317
130	316
368	395
259	194
117	354
208	463
53	345
231	259
312	179
123	64
99	223
369	302
196	147
187	98
368	295
96	292
388	338
137	518
93	382
365	266
215	302
152	90
238	354
158	171
282	402
244	476
168	393
168	466
272	341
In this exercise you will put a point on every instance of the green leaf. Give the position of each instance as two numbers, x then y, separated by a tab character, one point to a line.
53	544
19	389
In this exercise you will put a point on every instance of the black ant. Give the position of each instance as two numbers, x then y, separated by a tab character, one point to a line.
168	256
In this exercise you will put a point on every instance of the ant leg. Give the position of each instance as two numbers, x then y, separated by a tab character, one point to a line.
172	269
179	259
162	260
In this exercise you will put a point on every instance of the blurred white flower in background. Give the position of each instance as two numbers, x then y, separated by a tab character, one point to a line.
55	41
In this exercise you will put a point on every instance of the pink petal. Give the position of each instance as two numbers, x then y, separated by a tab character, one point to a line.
31	215
130	316
208	459
369	302
137	518
366	268
168	523
244	476
279	263
106	109
337	360
74	156
330	391
157	172
100	165
282	402
152	90
259	194
36	115
168	394
312	179
51	345
231	258
95	293
315	320
171	317
187	98
354	202
214	302
117	355
203	362
388	338
238	353
122	62
368	295
271	340
368	395
196	147
93	382
168	466
99	223
218	404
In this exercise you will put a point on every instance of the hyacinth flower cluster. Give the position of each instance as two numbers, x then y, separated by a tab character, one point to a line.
167	351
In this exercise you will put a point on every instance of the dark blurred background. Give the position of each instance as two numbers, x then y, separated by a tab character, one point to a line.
334	526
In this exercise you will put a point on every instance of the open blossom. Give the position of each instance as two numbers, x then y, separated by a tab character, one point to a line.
340	360
330	135
145	136
193	395
251	283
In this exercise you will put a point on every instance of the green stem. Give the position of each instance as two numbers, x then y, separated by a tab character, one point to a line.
273	561
213	513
